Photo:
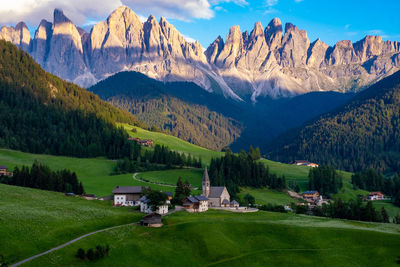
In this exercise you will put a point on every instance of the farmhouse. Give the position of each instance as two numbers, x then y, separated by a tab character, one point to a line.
151	220
218	196
127	195
146	207
142	142
310	195
305	163
375	196
4	171
196	204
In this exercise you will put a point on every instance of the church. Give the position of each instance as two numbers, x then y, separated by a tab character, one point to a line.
218	196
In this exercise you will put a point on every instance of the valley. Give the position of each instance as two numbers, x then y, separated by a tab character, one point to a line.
128	140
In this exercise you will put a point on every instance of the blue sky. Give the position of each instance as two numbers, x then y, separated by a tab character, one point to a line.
204	20
330	21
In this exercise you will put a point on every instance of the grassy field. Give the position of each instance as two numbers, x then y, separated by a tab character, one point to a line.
174	143
230	239
194	176
390	208
267	196
94	173
33	220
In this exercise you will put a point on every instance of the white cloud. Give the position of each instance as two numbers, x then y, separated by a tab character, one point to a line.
32	11
271	2
83	11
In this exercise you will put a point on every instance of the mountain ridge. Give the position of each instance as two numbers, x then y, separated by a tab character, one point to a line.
364	133
267	62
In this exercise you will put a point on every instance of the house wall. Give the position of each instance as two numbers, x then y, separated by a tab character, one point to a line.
123	200
203	206
162	209
214	202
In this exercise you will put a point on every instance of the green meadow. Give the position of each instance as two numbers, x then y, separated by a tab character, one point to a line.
170	177
217	238
267	196
33	221
95	173
174	143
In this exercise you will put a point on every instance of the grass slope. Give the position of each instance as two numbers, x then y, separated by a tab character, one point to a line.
229	239
194	176
33	221
267	196
93	172
174	143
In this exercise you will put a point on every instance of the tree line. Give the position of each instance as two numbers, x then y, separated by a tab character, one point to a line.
325	180
234	171
40	176
352	210
142	160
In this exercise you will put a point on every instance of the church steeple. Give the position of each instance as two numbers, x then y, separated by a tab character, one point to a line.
206	183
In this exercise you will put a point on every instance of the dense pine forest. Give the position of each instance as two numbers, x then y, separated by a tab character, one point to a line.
363	134
234	171
42	177
181	109
145	160
41	113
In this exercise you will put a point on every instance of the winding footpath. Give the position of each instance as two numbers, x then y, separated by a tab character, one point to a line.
68	243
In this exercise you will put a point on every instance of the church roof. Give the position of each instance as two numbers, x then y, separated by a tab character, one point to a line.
216	191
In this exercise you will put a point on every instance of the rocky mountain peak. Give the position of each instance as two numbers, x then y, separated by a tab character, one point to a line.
258	31
59	17
273	33
214	49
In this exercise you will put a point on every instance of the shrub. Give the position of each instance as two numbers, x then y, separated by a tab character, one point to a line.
81	253
90	255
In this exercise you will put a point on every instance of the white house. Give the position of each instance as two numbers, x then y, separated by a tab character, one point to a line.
196	204
376	196
145	206
127	195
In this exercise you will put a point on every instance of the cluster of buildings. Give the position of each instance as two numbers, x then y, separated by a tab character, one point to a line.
313	198
304	163
4	171
212	196
376	196
142	142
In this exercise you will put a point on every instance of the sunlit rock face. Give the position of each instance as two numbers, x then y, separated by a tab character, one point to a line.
274	61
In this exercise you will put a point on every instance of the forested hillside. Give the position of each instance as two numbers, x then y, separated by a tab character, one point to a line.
181	109
363	134
41	113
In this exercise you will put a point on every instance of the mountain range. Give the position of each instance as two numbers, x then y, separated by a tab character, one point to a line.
269	62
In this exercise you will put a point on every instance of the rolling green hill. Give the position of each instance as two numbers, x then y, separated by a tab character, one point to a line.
363	134
218	238
183	109
95	173
174	143
33	221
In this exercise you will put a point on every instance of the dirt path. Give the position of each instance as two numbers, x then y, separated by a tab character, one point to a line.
68	243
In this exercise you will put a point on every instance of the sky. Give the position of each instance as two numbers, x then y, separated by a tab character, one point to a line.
204	20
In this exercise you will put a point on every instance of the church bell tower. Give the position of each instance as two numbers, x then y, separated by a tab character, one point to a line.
206	183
